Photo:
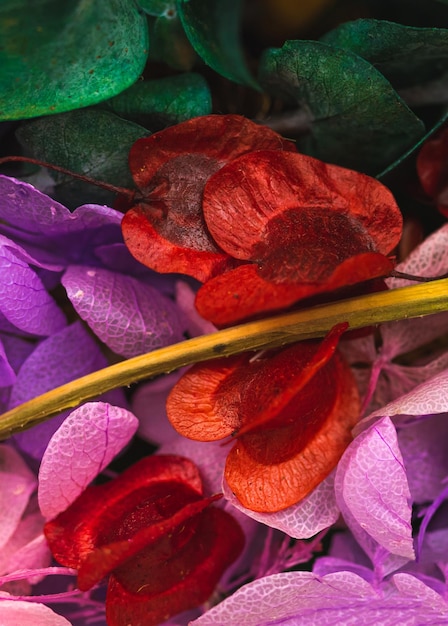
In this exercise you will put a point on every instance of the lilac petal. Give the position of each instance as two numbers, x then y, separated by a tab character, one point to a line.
428	259
303	520
7	374
423	446
131	317
24	301
14	612
330	565
302	598
80	449
429	398
407	335
149	405
17	483
197	325
372	491
57	360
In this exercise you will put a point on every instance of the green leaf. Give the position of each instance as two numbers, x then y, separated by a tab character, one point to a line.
57	56
404	54
89	141
163	102
157	7
169	44
358	120
212	27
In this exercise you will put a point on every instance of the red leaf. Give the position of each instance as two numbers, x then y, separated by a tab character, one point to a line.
432	168
242	293
285	407
166	230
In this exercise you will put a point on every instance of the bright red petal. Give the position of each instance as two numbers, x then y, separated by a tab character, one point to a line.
218	542
166	230
308	448
242	293
265	201
75	533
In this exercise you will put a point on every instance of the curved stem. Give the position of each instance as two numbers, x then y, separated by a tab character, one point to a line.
368	310
129	193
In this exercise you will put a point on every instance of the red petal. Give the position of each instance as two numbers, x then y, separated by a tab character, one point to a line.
160	537
217	543
74	534
171	168
432	168
242	293
244	202
326	411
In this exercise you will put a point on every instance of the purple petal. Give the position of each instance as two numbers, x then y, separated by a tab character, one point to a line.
149	405
16	612
129	316
423	446
57	360
185	300
24	301
373	494
429	398
17	483
302	598
7	374
80	449
302	520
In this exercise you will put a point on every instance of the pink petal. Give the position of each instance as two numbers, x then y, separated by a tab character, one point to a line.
17	483
302	520
19	612
80	449
373	493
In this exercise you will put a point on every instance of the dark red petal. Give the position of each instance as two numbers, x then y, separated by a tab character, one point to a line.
432	168
217	543
200	259
325	413
113	555
166	230
243	197
74	533
242	293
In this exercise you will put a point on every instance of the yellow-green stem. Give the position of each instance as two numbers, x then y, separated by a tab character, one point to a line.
373	309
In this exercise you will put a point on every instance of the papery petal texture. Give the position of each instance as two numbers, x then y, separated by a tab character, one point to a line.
131	317
372	490
302	598
79	450
14	612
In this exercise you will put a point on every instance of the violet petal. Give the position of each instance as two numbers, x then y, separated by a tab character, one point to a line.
129	316
79	450
373	494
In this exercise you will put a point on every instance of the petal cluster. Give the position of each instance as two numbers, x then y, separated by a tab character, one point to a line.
153	532
290	410
232	204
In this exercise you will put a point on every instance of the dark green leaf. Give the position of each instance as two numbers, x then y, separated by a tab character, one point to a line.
358	120
157	7
169	43
89	141
163	102
404	54
57	56
212	26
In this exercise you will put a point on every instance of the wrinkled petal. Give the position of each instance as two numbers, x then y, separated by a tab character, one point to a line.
79	450
131	317
373	494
